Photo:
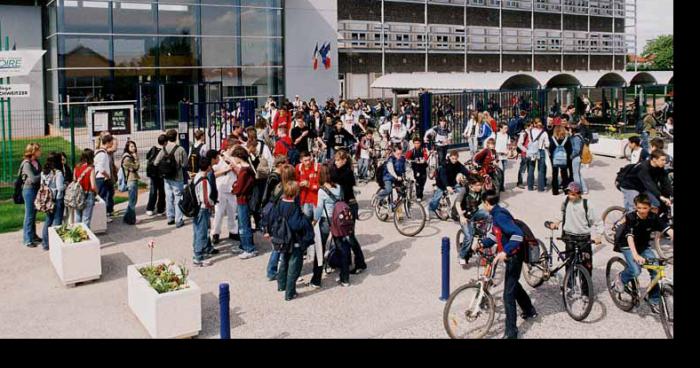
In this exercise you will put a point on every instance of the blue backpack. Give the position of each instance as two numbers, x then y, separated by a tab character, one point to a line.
559	158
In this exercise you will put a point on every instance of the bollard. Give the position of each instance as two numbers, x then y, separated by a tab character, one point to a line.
224	298
445	268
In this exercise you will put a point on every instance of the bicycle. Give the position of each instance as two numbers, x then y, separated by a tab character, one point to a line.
471	303
409	216
614	216
611	218
631	296
577	283
444	209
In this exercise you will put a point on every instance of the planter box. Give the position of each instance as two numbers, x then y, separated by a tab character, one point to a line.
75	262
98	223
169	315
609	147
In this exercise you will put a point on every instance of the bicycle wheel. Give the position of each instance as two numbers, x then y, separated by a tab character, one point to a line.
667	309
623	300
382	211
611	217
627	151
535	273
578	292
409	218
444	208
459	239
468	313
663	246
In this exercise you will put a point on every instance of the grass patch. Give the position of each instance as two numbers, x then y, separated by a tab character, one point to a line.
12	215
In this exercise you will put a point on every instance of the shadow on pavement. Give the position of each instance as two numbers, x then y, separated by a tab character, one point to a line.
384	260
114	266
211	317
593	184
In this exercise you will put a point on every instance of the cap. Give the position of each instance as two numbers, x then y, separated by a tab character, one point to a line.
574	187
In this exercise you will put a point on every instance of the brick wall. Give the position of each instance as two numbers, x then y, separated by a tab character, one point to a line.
482	17
483	63
446	63
516	19
441	14
517	63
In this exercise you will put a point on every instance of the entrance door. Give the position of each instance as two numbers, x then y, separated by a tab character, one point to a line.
148	114
171	96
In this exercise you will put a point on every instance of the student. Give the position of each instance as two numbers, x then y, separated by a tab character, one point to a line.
30	171
559	139
540	139
307	175
302	135
365	151
174	184
511	253
242	189
632	239
322	217
292	257
130	164
523	141
341	139
577	143
486	158
637	152
470	133
578	221
419	155
467	202
156	190
65	169
103	170
502	150
199	149
53	179
441	134
86	175
201	223
393	172
446	180
226	204
650	178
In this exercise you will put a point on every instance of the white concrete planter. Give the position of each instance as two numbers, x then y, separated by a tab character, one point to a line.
98	223
169	315
609	147
75	262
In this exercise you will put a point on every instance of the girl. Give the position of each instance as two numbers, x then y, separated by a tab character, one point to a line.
559	138
130	164
502	141
324	210
30	170
84	173
53	178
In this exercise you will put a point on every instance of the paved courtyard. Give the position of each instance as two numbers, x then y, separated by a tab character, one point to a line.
397	297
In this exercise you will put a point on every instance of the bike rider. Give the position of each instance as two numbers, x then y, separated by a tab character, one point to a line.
398	132
466	211
649	177
394	170
513	256
441	135
419	157
446	180
486	160
340	138
632	240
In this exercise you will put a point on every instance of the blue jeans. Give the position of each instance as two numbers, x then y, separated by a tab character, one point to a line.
633	271
59	209
308	210
130	213
468	230
200	239
272	264
435	201
388	187
576	167
105	188
50	216
645	140
522	169
542	172
29	227
244	229
362	167
173	195
290	269
85	215
630	194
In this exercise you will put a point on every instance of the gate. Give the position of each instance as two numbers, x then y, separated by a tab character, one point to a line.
216	119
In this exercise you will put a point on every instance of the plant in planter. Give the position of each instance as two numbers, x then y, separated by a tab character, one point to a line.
74	251
72	234
165	278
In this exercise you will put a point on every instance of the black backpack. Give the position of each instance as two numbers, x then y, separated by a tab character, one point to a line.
379	175
530	245
167	167
17	197
193	160
189	205
622	174
151	169
280	232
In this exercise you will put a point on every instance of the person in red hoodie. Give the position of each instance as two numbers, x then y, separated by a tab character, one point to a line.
284	142
242	189
282	119
307	175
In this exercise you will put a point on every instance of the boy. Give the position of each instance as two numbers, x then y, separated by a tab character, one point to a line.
502	150
632	240
419	155
446	180
307	175
467	209
366	144
523	140
242	189
200	241
395	169
511	253
226	206
638	153
284	143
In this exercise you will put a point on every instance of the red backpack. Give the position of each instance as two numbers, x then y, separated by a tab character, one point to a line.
342	220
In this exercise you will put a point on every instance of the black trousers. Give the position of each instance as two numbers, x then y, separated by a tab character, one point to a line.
585	247
156	196
359	261
556	172
421	174
513	292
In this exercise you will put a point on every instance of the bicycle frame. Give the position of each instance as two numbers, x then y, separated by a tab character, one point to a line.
657	280
561	256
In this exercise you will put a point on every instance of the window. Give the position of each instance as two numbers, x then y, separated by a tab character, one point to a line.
176	19
85	51
135	51
133	18
220	21
86	16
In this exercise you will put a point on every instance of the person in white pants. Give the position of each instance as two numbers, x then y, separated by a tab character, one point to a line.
225	178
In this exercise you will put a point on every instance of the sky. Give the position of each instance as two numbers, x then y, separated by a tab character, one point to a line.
654	18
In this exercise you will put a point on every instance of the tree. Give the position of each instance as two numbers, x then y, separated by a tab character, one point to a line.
662	49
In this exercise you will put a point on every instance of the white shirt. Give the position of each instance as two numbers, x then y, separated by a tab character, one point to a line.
468	129
224	183
398	134
636	155
543	142
348	122
502	141
103	162
385	128
199	189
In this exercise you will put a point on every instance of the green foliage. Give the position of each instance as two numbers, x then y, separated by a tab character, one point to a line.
72	234
165	278
662	48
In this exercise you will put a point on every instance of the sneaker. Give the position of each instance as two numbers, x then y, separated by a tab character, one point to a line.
246	255
462	262
357	270
171	222
181	224
344	284
149	213
617	284
315	286
213	251
236	250
201	263
521	186
161	213
530	315
30	245
272	278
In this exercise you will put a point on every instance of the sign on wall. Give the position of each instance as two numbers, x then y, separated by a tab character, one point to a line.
18	63
14	90
115	119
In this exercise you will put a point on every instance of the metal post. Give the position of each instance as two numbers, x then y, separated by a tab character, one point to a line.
72	131
224	299
445	250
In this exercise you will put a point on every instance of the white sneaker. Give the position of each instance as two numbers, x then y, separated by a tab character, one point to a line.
462	262
236	250
149	213
246	255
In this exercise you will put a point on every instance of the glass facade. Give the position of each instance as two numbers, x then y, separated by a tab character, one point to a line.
157	53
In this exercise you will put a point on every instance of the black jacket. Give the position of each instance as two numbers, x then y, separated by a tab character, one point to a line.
645	177
344	177
448	174
272	181
567	147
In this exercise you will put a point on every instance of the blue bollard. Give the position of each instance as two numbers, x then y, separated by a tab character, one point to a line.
445	269
224	298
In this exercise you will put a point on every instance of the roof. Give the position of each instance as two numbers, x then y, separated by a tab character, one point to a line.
517	80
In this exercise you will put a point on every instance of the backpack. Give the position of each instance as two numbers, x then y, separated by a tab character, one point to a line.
121	177
530	245
379	175
559	158
193	160
189	205
292	153
333	258
563	211
586	155
533	150
17	196
262	169
342	220
44	201
74	197
622	173
281	234
151	169
167	167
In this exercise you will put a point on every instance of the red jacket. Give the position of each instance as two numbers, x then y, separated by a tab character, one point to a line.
485	159
308	194
280	149
280	120
243	186
494	125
